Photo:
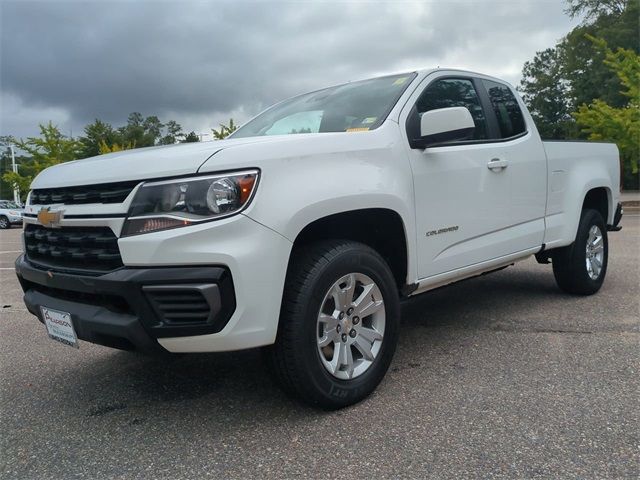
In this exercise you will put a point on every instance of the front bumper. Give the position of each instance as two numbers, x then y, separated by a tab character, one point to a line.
15	220
121	309
254	256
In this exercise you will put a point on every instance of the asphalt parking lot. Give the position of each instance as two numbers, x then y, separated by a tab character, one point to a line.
501	376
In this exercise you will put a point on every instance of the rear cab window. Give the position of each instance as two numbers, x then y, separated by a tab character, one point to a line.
506	109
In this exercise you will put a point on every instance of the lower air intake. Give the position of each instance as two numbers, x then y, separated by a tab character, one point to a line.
184	304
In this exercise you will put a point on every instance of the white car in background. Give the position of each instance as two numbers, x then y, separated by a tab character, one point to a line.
302	231
10	214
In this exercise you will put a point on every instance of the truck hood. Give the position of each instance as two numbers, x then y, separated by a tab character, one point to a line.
139	164
214	156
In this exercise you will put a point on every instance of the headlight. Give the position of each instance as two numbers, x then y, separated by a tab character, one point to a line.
187	201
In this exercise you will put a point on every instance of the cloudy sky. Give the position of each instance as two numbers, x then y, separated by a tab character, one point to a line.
202	62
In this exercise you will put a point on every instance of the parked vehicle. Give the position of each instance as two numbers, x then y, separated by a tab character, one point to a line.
302	232
10	214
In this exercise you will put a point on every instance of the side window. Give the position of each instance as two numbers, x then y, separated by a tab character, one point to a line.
453	92
506	108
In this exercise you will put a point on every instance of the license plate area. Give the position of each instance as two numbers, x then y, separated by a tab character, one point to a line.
59	326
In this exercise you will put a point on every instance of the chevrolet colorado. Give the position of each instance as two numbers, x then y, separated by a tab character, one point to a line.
302	231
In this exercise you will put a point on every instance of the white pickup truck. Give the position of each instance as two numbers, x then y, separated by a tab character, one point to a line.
302	232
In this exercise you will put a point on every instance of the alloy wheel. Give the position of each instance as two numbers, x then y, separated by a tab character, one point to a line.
350	327
594	252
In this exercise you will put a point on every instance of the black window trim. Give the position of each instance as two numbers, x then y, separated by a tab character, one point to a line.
493	127
485	93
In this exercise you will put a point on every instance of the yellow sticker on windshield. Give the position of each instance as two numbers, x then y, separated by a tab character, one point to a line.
357	129
400	81
369	120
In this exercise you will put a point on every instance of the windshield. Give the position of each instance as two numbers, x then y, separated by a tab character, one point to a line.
8	205
356	106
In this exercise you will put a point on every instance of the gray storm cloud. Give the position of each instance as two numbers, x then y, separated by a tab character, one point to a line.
198	62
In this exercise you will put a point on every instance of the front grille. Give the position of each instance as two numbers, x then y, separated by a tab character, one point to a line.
73	248
102	193
184	304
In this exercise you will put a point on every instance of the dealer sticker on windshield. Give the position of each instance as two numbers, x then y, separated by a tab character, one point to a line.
59	326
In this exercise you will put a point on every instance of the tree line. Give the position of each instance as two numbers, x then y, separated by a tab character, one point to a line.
587	85
53	147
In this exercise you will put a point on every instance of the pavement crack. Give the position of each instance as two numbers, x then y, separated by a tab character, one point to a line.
104	409
538	330
553	330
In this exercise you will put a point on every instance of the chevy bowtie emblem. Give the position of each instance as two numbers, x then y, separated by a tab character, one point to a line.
48	218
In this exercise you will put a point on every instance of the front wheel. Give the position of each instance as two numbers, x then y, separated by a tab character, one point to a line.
581	267
4	223
338	324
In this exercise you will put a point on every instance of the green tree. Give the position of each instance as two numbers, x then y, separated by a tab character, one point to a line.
592	9
96	134
145	132
225	130
173	133
601	121
153	127
139	131
583	67
114	147
547	94
191	137
100	137
51	148
559	79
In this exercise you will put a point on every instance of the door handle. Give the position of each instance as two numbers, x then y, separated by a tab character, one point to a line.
496	164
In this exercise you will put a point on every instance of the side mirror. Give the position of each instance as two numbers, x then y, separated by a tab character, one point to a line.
445	125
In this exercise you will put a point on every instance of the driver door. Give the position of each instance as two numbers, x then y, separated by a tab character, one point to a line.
462	206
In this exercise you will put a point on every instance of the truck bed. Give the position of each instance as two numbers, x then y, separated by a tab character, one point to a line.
574	168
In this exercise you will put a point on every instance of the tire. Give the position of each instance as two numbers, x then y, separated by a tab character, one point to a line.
4	223
321	376
580	268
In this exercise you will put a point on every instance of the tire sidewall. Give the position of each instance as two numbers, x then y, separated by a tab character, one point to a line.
590	218
335	390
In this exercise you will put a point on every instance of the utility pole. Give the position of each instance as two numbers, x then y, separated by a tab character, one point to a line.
14	168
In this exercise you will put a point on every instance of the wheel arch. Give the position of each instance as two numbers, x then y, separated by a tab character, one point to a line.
562	225
599	198
382	229
595	195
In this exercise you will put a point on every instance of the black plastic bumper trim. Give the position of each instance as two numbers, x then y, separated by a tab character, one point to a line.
115	304
97	324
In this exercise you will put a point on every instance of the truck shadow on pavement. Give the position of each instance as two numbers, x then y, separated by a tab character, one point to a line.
224	382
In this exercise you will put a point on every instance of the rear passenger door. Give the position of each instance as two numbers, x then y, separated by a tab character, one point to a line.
526	159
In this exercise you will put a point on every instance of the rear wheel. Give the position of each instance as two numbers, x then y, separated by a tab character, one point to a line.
338	324
581	267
